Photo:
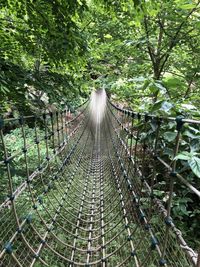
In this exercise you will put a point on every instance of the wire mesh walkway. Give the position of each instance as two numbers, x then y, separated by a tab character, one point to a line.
86	198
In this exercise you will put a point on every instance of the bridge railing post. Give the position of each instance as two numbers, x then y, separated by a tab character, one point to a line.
173	174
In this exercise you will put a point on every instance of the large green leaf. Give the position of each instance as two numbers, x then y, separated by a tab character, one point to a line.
187	6
183	156
191	135
166	106
192	159
170	136
194	163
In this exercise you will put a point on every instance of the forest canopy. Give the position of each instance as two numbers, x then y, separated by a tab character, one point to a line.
58	51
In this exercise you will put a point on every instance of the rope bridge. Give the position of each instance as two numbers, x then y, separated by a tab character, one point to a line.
87	193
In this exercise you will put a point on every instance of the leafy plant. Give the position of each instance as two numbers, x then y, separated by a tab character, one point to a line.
192	160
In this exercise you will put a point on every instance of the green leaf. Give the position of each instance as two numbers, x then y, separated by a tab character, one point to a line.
194	164
162	105
170	136
108	36
195	145
160	87
188	106
187	6
169	152
183	156
156	106
166	106
191	135
173	82
193	129
153	89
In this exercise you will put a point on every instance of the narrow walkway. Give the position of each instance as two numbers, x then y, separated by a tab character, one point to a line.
85	203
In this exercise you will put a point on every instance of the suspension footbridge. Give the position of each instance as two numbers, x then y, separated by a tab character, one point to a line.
89	197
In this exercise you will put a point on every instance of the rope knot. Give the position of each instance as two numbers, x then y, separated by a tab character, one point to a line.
8	248
168	221
179	123
29	219
162	262
154	242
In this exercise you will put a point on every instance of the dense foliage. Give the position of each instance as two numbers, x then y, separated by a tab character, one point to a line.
60	50
42	49
149	52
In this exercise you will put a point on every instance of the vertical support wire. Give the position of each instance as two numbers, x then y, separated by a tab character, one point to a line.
123	123
153	177
58	130
62	127
53	132
131	144
143	158
136	145
168	220
66	124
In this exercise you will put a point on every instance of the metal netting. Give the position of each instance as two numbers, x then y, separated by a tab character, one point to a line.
72	198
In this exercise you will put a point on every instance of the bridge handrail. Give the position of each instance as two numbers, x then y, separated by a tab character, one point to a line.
132	113
2	120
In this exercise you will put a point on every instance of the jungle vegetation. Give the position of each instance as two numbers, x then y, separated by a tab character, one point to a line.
59	50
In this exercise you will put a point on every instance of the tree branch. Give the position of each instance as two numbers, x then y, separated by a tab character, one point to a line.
151	54
174	39
190	84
